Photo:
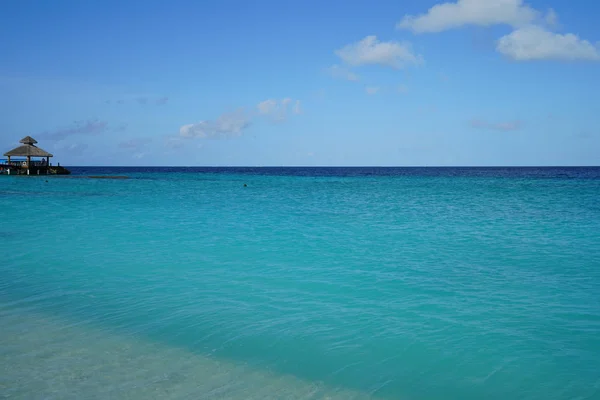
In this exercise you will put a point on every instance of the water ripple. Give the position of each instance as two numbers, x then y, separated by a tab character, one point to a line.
345	287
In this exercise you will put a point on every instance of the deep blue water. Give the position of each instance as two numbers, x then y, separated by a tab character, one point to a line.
393	283
491	172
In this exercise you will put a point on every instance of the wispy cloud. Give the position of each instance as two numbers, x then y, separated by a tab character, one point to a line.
278	110
119	128
141	100
371	90
173	142
339	72
427	109
233	124
297	109
496	126
319	95
72	148
372	51
582	135
135	143
228	125
268	106
160	101
85	128
551	18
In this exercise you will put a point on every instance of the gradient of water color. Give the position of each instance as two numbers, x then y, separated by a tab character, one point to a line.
308	283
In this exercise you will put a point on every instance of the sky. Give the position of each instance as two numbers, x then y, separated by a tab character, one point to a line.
303	83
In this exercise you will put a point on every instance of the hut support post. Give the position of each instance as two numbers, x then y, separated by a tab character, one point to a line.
28	164
47	164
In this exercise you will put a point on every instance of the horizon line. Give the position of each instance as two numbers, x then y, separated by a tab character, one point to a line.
332	166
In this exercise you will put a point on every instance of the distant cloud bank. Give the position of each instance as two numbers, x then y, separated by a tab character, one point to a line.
496	126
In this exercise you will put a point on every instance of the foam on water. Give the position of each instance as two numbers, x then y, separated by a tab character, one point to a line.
460	284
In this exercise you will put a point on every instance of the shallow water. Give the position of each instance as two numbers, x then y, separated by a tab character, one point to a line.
307	283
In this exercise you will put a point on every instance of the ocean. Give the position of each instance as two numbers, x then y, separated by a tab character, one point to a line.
301	283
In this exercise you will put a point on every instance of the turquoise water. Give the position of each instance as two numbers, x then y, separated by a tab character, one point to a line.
389	284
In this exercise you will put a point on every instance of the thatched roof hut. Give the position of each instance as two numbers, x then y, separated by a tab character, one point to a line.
28	149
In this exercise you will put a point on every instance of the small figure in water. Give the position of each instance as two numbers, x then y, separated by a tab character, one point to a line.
245	185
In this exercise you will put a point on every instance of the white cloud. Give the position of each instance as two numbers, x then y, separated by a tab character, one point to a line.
227	125
267	106
278	109
531	39
173	142
536	43
496	126
371	90
342	73
320	94
551	18
297	108
233	124
446	16
371	51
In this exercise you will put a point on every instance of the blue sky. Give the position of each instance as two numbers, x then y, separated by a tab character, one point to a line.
406	83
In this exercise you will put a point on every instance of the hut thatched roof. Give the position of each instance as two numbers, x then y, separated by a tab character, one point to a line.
28	140
28	149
